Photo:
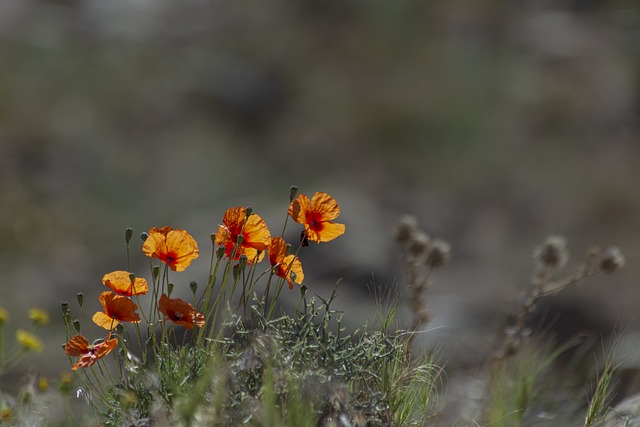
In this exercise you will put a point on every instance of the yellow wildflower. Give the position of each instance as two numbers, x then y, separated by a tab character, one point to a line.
5	413
38	316
29	341
4	315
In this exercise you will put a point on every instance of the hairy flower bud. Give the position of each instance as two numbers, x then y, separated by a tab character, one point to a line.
440	254
612	260
553	253
419	244
405	228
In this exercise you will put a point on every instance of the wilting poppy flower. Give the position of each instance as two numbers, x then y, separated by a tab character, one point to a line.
255	234
285	265
176	248
120	283
116	309
88	354
316	216
180	312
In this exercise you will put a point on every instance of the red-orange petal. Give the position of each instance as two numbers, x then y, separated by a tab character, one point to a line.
76	346
277	250
118	307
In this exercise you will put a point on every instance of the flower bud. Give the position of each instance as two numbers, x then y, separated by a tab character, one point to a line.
236	271
65	307
156	272
405	228
170	288
242	262
220	252
144	236
440	254
80	297
553	253
127	234
419	244
76	325
293	190
248	211
194	286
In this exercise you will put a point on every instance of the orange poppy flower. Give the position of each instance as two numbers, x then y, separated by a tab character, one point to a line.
116	309
284	265
120	283
254	232
180	312
88	354
316	216
176	248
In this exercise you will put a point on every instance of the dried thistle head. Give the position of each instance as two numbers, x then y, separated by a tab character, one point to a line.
419	244
553	253
405	229
612	259
440	254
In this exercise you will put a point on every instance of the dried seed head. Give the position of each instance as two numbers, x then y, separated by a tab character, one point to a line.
553	253
405	228
440	254
419	244
612	259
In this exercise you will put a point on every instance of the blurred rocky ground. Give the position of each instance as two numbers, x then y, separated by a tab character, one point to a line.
495	124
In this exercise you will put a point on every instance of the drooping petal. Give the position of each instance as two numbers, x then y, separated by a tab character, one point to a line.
118	307
93	353
180	312
291	264
76	346
104	321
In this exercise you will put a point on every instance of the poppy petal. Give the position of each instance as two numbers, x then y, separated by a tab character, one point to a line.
325	206
76	346
120	283
299	207
101	319
325	231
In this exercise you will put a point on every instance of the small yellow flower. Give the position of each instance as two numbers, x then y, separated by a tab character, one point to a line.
29	341
5	413
43	384
66	382
4	315
38	316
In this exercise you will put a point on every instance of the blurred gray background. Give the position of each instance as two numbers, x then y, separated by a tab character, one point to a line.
495	123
